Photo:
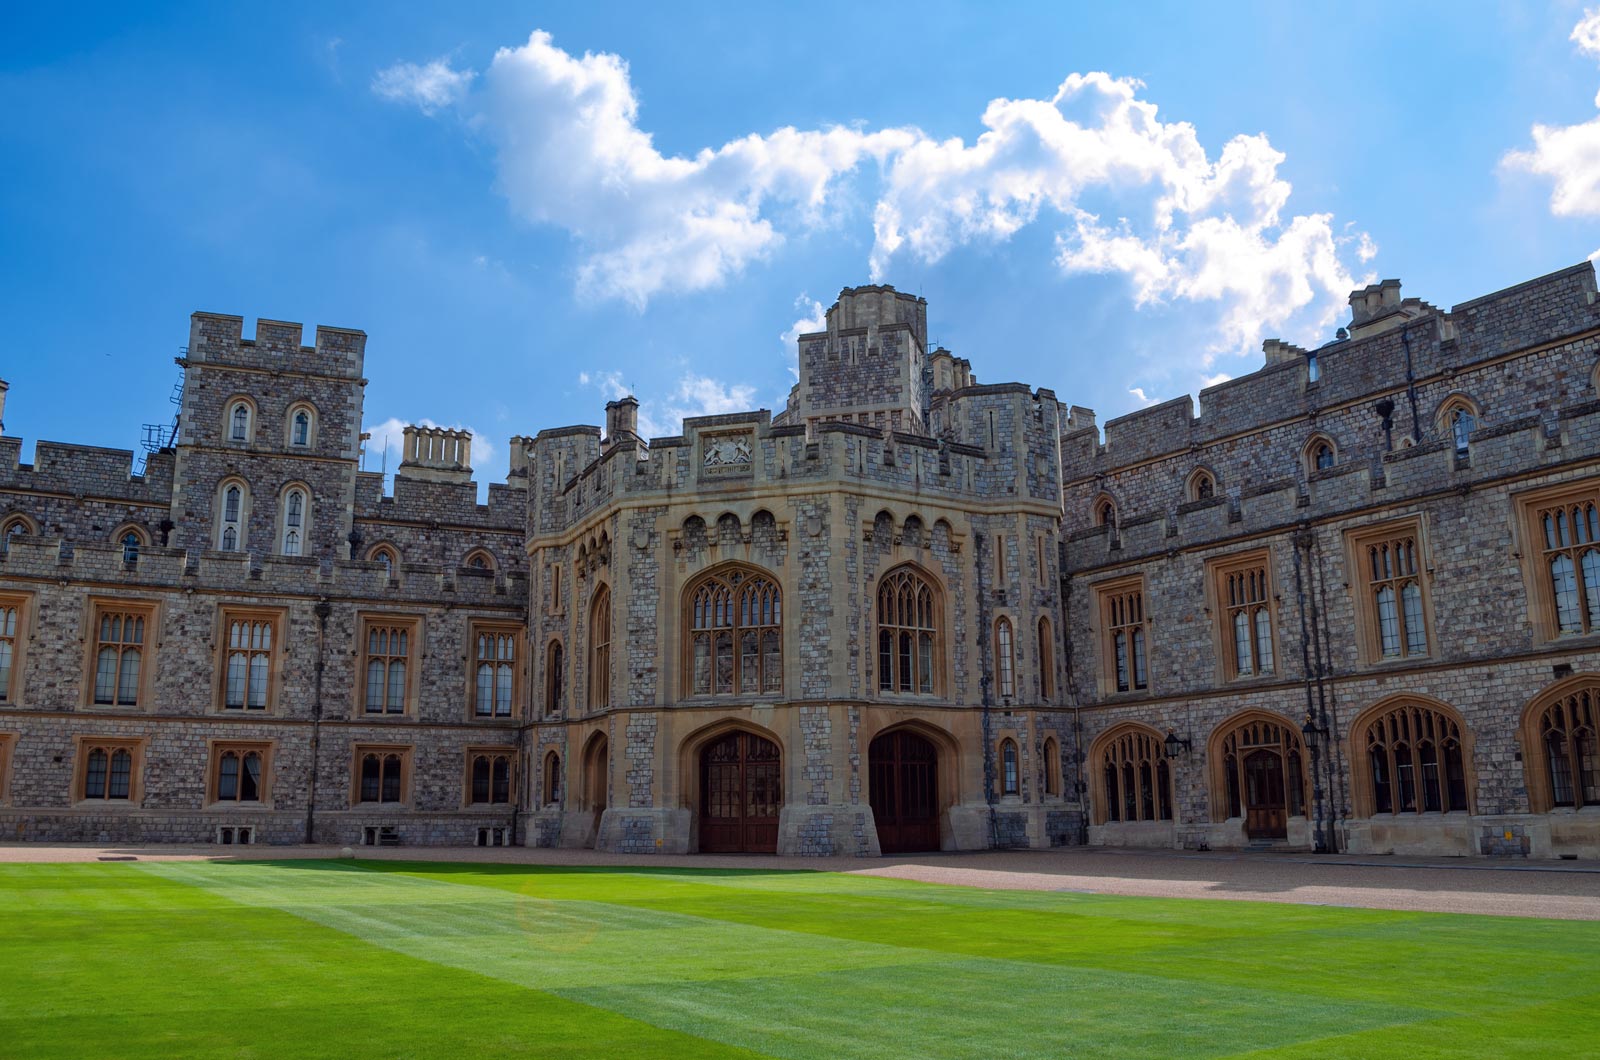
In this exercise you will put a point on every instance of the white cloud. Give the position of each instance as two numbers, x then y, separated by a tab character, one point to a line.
1144	400
1569	154
571	154
813	318
431	87
1128	193
694	395
1187	227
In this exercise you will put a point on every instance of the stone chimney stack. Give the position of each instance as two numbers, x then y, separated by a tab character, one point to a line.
4	386
1374	301
435	454
622	419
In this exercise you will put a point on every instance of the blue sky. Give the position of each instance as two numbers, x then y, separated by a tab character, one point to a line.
530	208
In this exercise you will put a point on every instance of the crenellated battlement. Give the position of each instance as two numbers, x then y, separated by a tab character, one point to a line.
218	338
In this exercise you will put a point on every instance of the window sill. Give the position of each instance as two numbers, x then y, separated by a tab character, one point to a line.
380	806
236	806
488	807
111	805
406	716
723	698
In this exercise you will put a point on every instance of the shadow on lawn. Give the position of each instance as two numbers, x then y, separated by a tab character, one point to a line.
479	868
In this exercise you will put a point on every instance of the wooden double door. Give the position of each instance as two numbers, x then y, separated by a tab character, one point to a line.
741	795
903	787
1266	808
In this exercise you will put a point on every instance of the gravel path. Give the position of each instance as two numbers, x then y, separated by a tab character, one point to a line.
1560	889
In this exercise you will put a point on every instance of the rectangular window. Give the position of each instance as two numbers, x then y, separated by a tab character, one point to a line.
1561	559
12	637
381	773
121	639
494	678
1241	587
1125	661
489	776
999	559
555	588
240	773
1388	565
1388	569
390	648
109	772
251	646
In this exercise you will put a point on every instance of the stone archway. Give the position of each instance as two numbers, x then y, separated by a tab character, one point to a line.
903	787
741	794
593	794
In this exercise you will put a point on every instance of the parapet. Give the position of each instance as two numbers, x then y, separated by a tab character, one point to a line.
879	305
218	338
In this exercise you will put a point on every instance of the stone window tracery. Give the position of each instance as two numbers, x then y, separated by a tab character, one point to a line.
908	631
1005	651
489	778
250	660
240	774
1413	760
296	521
1561	740
1388	567
494	669
1132	776
735	623
600	648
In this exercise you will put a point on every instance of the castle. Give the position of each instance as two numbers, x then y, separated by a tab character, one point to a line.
1353	604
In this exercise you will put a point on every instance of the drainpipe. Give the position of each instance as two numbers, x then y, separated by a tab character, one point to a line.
1317	653
1338	797
322	611
1302	540
984	676
1411	387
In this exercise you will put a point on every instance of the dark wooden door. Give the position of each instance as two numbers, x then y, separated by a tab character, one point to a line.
1265	809
741	788
903	787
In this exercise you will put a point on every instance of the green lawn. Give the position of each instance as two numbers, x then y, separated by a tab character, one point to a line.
351	959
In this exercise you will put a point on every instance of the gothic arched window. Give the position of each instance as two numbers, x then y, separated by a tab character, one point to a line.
735	621
908	631
600	648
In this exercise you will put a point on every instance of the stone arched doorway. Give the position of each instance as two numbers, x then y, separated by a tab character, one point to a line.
593	793
903	787
1259	774
741	794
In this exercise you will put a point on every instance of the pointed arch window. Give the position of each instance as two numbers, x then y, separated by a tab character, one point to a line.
1202	486
1010	768
1462	423
239	422
109	772
240	774
131	542
302	426
296	521
1047	661
1052	766
381	774
1414	761
232	516
1393	620
386	556
600	648
735	622
1125	665
1320	454
250	659
1005	652
1105	512
1244	608
908	631
494	670
1570	539
119	652
1132	776
14	527
550	793
489	778
1563	737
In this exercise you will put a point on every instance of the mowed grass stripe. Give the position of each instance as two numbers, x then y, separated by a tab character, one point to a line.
1356	955
108	960
787	993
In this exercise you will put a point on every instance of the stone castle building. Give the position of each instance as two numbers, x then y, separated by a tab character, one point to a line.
1353	604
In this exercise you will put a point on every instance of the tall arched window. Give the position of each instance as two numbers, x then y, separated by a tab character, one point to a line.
296	521
1047	661
1105	512
735	623
1005	656
555	678
233	510
1412	760
1319	454
600	648
1132	778
239	416
1010	782
550	795
302	426
1052	766
1561	736
908	627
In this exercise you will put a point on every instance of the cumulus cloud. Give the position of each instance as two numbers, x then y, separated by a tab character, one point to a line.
1125	192
430	87
693	395
572	154
1569	155
813	318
